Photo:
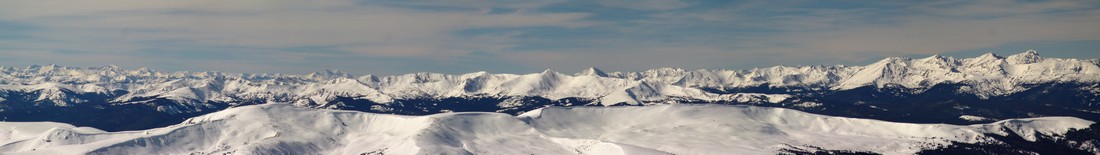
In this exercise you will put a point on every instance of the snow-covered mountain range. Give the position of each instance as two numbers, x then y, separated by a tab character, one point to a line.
969	90
998	104
663	129
987	75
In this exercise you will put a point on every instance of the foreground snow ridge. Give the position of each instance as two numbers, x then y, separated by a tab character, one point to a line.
663	129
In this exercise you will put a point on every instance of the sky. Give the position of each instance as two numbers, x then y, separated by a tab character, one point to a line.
508	36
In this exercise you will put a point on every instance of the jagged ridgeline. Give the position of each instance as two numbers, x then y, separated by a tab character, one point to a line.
935	89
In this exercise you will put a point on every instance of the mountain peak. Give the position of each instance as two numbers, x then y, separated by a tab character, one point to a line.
889	60
46	67
592	71
989	55
937	57
1030	56
937	61
329	73
986	58
479	73
548	71
144	70
369	78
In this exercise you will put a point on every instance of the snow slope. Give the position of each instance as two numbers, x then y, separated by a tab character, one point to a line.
664	129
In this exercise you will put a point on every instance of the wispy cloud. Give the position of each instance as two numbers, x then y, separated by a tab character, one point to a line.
391	37
937	28
646	4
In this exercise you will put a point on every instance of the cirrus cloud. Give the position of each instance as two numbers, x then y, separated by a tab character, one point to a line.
393	37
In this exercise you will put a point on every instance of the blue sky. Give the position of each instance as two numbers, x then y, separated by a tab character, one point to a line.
459	36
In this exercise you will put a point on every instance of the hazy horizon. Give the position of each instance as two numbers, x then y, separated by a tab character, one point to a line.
957	55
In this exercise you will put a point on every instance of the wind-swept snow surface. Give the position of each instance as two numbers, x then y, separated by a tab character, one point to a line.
665	129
